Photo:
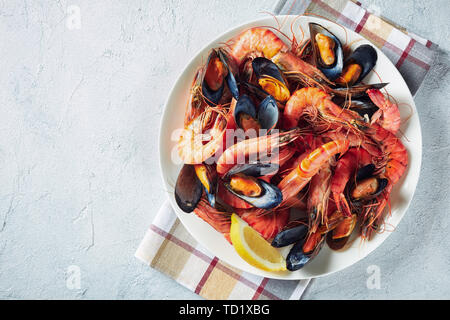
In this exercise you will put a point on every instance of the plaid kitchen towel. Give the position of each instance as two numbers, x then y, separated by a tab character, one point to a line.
169	248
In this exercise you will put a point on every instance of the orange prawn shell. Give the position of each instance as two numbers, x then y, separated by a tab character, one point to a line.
323	153
295	181
312	100
397	155
220	221
260	145
268	224
389	115
257	39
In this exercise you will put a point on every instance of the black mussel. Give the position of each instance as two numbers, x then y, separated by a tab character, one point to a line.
217	72
368	188
357	91
247	117
338	237
257	169
275	88
265	67
256	192
208	178
327	50
358	65
336	244
231	80
290	236
188	189
365	172
212	97
297	258
271	79
245	113
213	81
268	113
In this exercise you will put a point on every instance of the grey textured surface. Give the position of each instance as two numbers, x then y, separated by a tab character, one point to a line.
78	163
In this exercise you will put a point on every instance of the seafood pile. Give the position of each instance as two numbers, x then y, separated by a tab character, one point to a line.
269	128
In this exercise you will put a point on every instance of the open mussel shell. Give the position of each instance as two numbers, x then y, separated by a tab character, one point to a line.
366	57
271	79
297	258
244	106
338	237
275	88
188	189
258	169
368	188
265	67
336	244
207	176
344	228
231	80
290	236
331	71
266	117
213	97
269	197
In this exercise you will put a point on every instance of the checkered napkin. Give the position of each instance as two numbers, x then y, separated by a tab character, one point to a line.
169	248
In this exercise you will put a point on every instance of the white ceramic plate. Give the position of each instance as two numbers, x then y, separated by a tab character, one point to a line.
327	261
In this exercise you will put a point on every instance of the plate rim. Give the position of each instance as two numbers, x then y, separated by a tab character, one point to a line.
177	82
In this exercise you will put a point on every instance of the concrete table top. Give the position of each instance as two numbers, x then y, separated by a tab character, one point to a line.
82	87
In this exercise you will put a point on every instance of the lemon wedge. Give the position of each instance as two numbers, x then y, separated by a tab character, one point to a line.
253	248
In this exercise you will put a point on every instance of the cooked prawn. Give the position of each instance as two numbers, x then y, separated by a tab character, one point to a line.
297	179
389	115
316	101
197	143
319	192
256	40
221	221
345	168
268	225
292	65
395	151
355	139
396	164
263	145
